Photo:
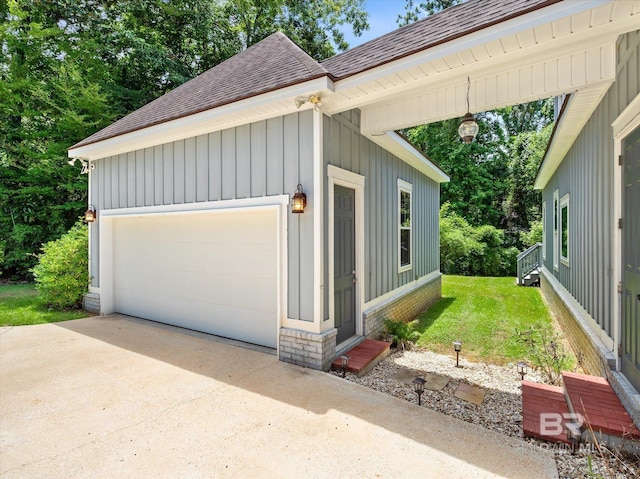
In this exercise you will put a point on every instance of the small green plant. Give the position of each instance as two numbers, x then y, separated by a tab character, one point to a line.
62	272
402	334
546	352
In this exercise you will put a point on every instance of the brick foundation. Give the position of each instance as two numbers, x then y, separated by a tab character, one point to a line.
309	350
91	302
403	308
595	358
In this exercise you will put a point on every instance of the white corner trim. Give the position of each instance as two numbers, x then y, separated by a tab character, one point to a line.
348	179
397	293
398	146
260	107
589	325
318	216
223	206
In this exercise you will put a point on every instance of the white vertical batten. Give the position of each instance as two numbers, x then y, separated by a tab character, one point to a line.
318	238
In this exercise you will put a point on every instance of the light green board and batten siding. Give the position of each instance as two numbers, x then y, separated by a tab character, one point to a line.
587	175
270	158
259	159
346	148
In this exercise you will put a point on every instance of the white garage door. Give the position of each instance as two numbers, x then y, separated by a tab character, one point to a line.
211	272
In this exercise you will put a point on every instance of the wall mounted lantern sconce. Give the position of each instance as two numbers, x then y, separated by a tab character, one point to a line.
468	129
315	100
299	200
522	369
418	387
90	215
344	362
457	347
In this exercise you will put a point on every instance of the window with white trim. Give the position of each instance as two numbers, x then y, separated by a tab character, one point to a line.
405	233
564	230
544	230
556	206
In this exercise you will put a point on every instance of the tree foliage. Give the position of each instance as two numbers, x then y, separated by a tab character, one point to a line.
69	69
473	250
415	10
62	272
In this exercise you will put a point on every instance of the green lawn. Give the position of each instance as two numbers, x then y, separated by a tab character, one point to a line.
19	305
484	314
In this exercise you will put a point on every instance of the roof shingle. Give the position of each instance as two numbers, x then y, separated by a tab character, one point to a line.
273	63
277	62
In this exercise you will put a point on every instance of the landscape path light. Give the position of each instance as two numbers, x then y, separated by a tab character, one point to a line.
418	387
522	369
344	362
457	347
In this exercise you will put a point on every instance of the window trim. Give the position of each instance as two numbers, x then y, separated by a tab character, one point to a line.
405	187
556	212
564	203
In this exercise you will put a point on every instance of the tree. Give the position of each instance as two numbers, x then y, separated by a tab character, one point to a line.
414	10
314	24
522	203
47	105
70	68
478	170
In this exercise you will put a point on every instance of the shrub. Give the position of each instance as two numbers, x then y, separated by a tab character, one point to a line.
546	352
62	272
533	236
403	334
473	251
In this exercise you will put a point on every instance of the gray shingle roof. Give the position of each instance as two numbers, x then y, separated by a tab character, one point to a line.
273	63
277	62
433	30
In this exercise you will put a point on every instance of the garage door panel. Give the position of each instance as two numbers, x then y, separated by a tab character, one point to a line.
215	273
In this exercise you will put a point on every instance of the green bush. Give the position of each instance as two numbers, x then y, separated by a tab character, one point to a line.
62	272
533	236
473	251
403	335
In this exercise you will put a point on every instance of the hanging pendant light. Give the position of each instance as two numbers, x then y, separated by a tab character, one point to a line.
468	129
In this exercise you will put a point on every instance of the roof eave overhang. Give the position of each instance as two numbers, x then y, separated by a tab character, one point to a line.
398	146
352	84
577	110
260	107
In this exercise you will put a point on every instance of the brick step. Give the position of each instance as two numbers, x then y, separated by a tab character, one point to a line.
591	397
364	357
539	399
594	398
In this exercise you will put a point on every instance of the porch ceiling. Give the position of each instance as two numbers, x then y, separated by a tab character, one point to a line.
563	48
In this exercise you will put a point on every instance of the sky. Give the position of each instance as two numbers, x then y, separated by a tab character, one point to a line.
382	19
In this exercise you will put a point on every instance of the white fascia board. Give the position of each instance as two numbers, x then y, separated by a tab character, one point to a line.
539	17
398	146
244	111
580	106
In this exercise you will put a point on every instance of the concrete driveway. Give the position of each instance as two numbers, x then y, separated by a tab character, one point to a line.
116	397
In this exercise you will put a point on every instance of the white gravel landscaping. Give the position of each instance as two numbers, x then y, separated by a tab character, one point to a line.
500	411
